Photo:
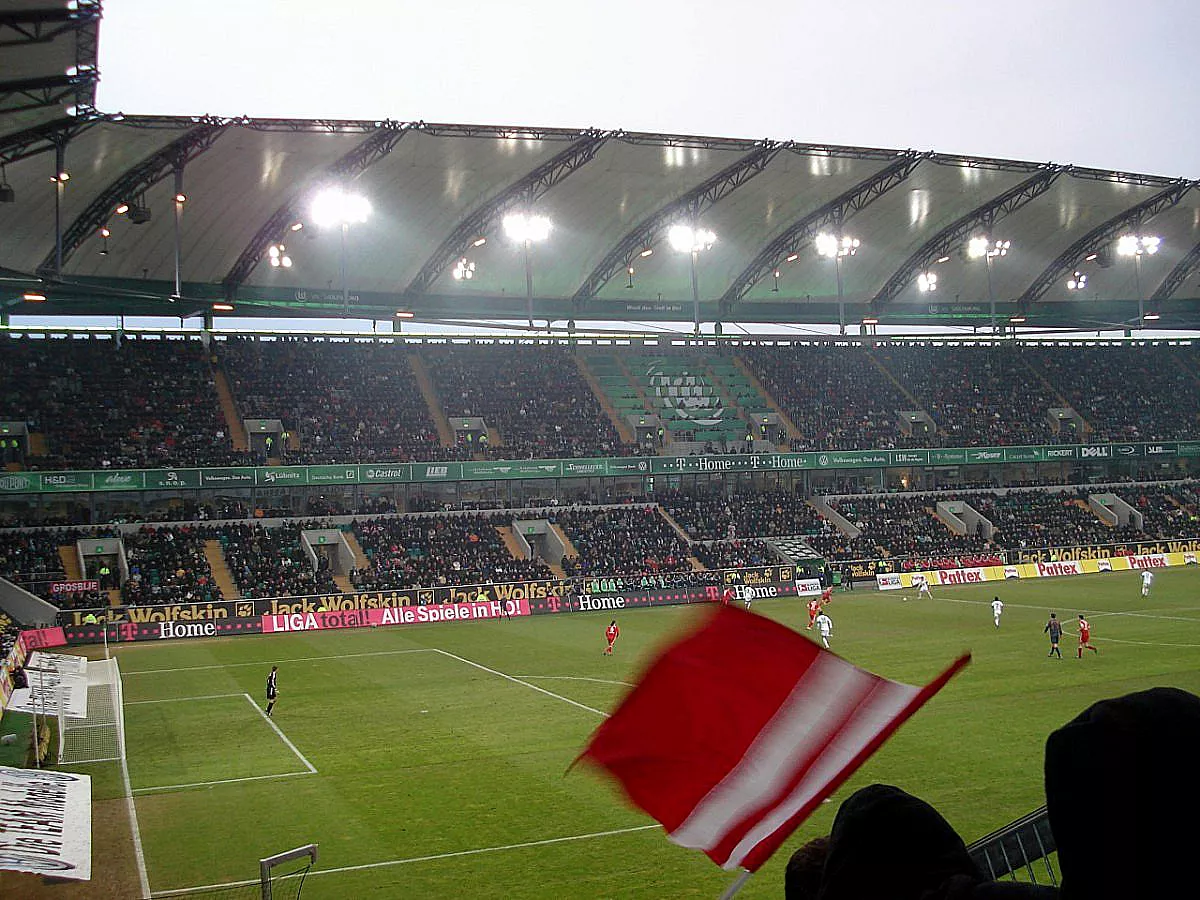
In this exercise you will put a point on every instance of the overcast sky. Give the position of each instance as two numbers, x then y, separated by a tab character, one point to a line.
1099	83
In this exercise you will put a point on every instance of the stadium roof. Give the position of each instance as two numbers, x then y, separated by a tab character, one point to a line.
436	190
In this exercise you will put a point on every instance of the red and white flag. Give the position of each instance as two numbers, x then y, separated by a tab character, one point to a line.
736	733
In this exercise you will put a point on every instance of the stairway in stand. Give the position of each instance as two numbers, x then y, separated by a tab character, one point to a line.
222	577
623	430
343	584
425	385
70	560
788	425
360	558
233	421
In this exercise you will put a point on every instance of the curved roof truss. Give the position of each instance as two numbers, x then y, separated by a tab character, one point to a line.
130	184
1103	234
833	213
41	138
1178	275
960	230
689	206
522	192
374	148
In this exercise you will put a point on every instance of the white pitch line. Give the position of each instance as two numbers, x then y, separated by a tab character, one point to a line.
515	680
575	678
283	737
281	660
178	892
1094	615
131	807
182	699
195	784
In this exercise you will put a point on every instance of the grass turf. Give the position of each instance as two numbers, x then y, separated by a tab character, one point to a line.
424	756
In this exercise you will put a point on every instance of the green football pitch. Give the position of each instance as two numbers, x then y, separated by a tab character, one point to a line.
431	761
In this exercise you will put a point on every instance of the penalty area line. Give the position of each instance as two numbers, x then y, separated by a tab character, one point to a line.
179	892
312	770
515	680
273	661
198	784
575	678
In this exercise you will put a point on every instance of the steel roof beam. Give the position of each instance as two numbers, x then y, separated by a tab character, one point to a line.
831	214
690	206
522	193
958	231
130	184
351	165
41	26
1103	234
1178	275
34	93
41	138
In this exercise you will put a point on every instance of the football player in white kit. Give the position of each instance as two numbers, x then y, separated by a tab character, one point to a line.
825	626
1147	580
997	609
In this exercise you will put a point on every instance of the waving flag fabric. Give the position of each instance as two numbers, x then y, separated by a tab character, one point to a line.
737	732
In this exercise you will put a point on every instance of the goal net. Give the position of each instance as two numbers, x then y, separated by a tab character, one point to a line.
100	737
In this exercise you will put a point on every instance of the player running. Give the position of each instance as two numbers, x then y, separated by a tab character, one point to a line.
825	626
727	597
815	604
1147	580
923	590
997	609
1085	637
1054	629
611	633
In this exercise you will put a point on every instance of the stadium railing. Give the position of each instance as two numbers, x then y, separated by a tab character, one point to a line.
1011	852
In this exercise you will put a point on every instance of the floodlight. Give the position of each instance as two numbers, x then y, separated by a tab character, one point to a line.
522	227
277	253
403	314
181	198
792	257
1127	245
222	307
296	226
122	209
1151	317
870	320
463	269
833	246
104	232
1077	282
687	239
1016	320
927	281
479	241
942	259
334	206
646	252
33	297
977	247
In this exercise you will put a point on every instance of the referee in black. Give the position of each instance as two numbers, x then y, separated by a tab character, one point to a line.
272	689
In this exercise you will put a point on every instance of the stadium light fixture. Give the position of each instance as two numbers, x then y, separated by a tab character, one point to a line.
1077	282
927	282
526	229
33	297
296	226
942	259
988	249
1151	317
104	235
647	251
181	198
336	206
222	307
1017	320
837	247
464	270
829	245
404	314
122	208
870	320
792	257
693	241
479	241
1137	246
277	253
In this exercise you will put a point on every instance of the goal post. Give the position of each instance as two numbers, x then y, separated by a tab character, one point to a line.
100	737
282	875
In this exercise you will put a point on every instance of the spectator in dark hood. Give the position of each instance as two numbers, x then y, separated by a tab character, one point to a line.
889	845
1121	790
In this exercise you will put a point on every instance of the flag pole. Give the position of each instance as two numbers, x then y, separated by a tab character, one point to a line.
737	885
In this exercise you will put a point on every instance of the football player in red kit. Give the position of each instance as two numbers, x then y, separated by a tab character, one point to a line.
1085	637
611	633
